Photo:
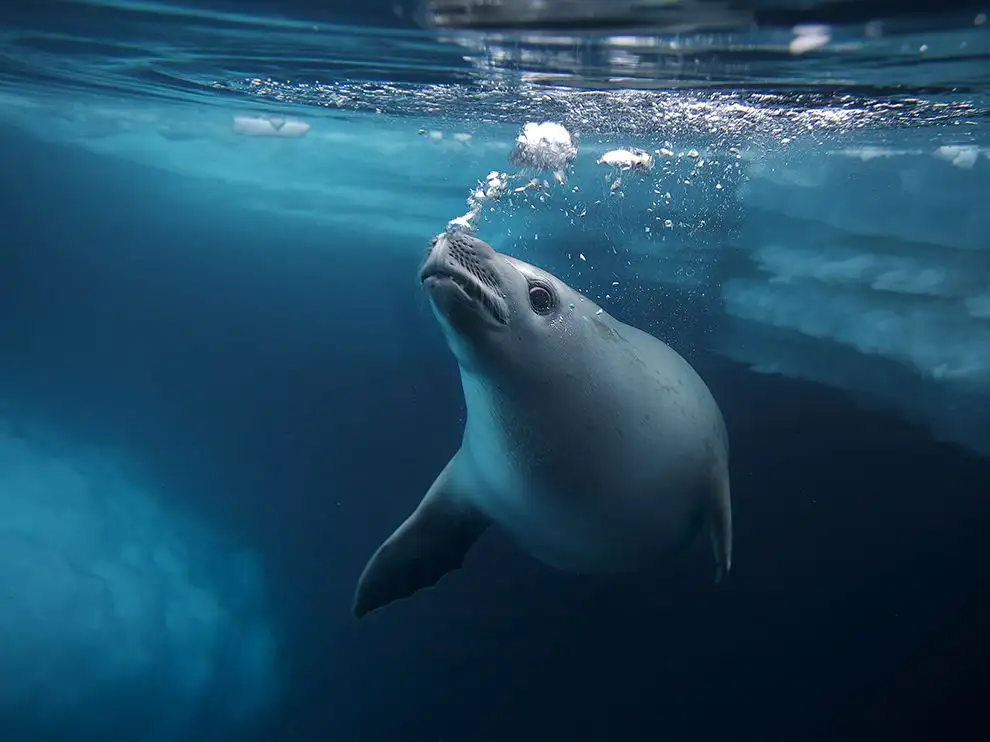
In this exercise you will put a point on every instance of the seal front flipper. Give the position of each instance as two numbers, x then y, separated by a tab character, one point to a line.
720	522
430	543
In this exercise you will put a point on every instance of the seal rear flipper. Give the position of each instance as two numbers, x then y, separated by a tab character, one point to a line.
430	543
720	522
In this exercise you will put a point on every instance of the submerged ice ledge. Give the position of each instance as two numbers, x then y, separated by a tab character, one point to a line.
870	271
123	619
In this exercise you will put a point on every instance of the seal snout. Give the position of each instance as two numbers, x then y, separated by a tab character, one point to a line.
453	251
458	260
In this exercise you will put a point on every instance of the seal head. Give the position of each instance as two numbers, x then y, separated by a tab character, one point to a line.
489	305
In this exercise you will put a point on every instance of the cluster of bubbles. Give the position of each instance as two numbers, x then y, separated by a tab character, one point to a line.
540	146
549	150
549	211
619	112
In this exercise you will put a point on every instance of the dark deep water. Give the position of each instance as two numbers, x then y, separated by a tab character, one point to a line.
298	392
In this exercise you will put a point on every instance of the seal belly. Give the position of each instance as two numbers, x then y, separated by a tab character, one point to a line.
588	532
601	510
588	541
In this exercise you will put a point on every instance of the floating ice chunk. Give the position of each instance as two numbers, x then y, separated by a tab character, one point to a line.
809	38
269	126
546	146
628	159
962	156
435	135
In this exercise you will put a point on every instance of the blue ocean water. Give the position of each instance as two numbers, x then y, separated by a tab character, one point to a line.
221	386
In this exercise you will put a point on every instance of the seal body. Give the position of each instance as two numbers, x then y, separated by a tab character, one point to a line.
593	444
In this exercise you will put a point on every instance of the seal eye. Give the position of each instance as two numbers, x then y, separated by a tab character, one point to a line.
540	299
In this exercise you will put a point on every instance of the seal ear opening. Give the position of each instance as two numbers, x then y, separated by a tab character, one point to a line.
431	543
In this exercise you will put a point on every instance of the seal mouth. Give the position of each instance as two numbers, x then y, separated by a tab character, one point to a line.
469	290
